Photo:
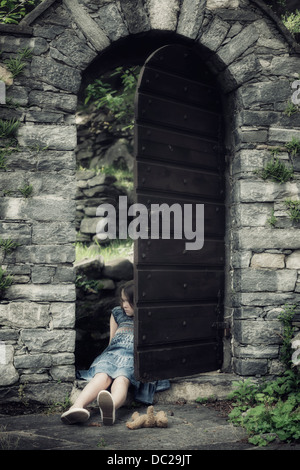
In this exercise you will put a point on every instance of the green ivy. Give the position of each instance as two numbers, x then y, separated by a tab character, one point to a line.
271	409
13	11
115	93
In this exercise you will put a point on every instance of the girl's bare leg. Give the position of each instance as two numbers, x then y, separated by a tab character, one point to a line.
119	390
99	382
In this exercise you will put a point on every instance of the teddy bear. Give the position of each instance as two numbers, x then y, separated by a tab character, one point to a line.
149	420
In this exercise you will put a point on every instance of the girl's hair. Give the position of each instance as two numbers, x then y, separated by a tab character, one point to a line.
128	292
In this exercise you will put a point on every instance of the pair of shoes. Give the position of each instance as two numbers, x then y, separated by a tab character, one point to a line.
107	407
75	415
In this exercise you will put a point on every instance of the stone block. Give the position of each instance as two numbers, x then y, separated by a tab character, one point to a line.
53	137
265	280
240	72
63	358
215	34
258	332
13	44
257	352
264	299
190	18
8	373
285	66
75	49
135	16
45	254
283	135
53	233
293	260
33	361
52	184
216	4
263	93
253	215
268	260
41	293
18	232
118	269
63	314
63	373
49	209
89	225
248	367
238	45
163	15
259	191
111	22
91	267
267	238
24	315
87	25
42	274
60	76
53	101
249	160
37	340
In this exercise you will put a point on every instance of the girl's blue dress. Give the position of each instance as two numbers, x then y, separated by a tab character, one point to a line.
118	359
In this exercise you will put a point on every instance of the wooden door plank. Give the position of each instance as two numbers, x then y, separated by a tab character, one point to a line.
177	115
172	179
177	324
170	252
160	83
169	146
156	364
163	285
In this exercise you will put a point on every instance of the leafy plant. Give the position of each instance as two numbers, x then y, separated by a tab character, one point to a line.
286	318
5	281
291	109
118	98
292	21
8	245
8	128
272	409
272	220
13	11
293	146
294	209
16	64
26	191
276	171
88	285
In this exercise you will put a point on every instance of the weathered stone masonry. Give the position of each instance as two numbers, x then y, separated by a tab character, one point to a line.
255	61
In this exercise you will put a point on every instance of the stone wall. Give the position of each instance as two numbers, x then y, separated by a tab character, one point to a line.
255	61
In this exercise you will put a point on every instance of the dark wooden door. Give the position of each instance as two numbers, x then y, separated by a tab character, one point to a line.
179	160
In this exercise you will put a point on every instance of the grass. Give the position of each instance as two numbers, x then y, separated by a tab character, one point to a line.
115	249
276	171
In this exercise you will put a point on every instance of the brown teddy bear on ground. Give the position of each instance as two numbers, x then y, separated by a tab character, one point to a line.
149	420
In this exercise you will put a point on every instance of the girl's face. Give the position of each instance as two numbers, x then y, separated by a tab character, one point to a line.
126	305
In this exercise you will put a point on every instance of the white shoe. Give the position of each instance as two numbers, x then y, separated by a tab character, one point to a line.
75	415
107	407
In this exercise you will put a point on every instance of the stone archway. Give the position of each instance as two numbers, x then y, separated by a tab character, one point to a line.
254	60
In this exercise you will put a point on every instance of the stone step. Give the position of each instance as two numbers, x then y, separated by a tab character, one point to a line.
215	385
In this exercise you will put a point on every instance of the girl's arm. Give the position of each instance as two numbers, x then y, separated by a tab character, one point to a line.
113	327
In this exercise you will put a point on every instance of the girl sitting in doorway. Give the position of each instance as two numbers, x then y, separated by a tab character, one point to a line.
113	368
